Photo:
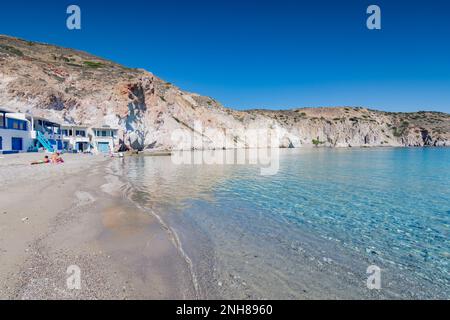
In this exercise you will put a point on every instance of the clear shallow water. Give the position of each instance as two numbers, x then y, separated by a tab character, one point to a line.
311	230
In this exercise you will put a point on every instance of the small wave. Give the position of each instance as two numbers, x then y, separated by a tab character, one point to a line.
128	190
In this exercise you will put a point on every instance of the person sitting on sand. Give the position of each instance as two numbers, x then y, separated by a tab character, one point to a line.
56	158
46	160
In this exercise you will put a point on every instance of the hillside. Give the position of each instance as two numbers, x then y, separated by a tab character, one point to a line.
75	87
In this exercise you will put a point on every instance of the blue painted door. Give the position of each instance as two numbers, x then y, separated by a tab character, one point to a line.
16	144
103	147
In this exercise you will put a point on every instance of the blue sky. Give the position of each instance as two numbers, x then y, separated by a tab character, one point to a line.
264	54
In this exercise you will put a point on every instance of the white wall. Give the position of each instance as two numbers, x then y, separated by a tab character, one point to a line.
72	141
111	138
7	134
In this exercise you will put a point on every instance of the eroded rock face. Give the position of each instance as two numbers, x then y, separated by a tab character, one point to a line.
75	87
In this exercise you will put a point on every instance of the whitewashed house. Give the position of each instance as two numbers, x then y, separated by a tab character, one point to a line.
20	132
14	132
45	134
104	139
75	138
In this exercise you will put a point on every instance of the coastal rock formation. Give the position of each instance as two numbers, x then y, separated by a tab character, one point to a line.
74	87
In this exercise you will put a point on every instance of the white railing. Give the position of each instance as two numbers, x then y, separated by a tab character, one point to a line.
47	135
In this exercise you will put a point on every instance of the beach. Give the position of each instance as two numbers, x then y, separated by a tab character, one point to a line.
135	229
53	217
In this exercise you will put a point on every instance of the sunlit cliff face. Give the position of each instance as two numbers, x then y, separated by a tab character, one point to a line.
70	86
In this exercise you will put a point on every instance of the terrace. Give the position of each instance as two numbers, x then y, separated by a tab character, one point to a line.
50	129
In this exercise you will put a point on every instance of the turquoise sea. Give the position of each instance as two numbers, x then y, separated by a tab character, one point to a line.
311	230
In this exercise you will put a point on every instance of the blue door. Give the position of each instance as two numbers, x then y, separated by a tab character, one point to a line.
16	144
103	147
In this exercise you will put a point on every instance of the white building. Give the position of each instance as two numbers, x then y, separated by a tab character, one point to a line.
104	139
21	132
14	132
45	133
76	138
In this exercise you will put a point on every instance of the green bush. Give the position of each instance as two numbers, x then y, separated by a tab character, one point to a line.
93	64
12	50
317	142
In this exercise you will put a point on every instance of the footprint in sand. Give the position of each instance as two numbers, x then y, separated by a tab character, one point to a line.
84	198
113	185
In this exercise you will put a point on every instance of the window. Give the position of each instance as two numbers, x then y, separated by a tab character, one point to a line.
2	120
16	124
1	143
64	132
80	133
103	133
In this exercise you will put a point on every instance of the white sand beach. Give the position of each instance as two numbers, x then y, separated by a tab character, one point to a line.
55	216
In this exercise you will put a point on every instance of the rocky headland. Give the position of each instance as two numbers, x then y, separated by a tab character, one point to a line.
75	87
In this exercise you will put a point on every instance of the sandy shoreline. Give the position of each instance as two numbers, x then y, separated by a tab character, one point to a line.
56	216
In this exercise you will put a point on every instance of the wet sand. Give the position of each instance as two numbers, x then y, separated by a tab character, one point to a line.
56	216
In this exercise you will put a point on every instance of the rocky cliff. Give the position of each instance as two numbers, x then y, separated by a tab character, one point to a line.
74	87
